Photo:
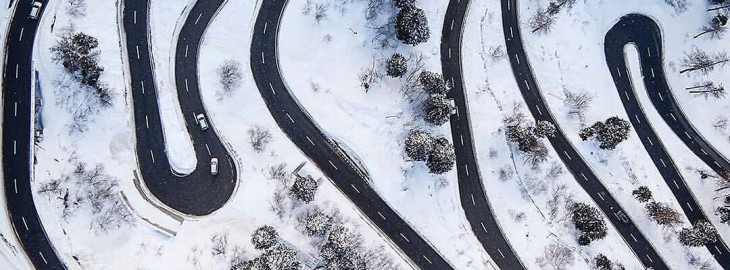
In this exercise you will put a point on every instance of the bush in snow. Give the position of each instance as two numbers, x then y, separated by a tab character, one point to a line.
230	76
527	140
663	214
220	244
724	211
642	194
259	138
700	234
442	158
396	65
678	5
317	223
433	83
343	250
279	257
577	102
437	109
544	129
404	3
264	237
304	189
411	26
589	222
418	145
609	133
601	262
556	256
76	8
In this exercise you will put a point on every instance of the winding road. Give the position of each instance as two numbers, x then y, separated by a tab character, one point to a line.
18	139
302	130
198	193
645	35
567	153
473	197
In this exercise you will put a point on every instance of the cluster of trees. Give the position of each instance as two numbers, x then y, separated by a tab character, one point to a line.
79	55
589	221
411	24
275	255
437	152
601	262
527	138
609	133
543	19
701	233
259	138
703	63
659	212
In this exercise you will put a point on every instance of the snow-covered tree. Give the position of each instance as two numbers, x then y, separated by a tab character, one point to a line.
264	237
343	250
544	129
609	133
702	61
589	221
700	234
432	82
418	145
396	65
663	214
724	213
716	27
304	189
78	53
404	3
278	257
601	262
707	90
437	109
442	157
412	26
317	223
642	194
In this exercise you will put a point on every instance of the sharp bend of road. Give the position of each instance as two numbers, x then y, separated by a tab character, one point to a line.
645	34
301	130
473	197
18	139
198	193
583	174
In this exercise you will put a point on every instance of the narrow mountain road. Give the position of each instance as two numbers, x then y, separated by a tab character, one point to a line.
473	197
567	153
198	193
644	33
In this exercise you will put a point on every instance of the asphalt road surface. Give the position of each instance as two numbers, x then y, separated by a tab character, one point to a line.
301	129
199	193
18	140
567	153
644	33
474	199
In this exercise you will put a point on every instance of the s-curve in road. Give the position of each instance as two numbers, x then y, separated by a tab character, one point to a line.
645	35
199	193
567	153
18	139
302	130
474	199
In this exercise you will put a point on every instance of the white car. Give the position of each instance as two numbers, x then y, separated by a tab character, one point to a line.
214	166
35	10
201	121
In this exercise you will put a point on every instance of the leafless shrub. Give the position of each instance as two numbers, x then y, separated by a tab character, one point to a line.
230	75
555	170
259	138
557	193
541	22
279	173
369	77
577	102
556	257
76	8
280	203
702	61
219	244
707	90
720	123
317	10
497	53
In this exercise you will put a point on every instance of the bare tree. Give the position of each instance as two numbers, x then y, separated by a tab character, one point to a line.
279	173
259	138
220	244
541	22
369	77
230	76
702	61
577	102
556	257
76	8
707	90
716	27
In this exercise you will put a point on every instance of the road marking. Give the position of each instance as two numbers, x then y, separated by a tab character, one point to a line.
147	121
356	190
381	216
510	32
660	96
538	109
43	257
186	86
310	140
687	134
263	61
333	165
508	5
272	89
672	115
290	119
718	250
208	148
718	164
265	25
15	109
566	154
647	256
186	50
599	195
429	261
648	51
484	227
462	139
142	87
650	142
627	95
449	52
135	17
584	176
619	72
652	72
137	46
25	224
17	67
690	207
527	85
21	34
466	169
637	118
404	237
198	19
153	156
500	253
703	151
473	202
15	148
15	183
452	24
675	183
517	58
632	236
663	164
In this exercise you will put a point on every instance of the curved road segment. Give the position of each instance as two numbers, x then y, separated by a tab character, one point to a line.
644	33
298	126
18	139
474	199
567	153
199	193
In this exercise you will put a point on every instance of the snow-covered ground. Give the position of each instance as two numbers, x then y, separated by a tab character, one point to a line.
109	141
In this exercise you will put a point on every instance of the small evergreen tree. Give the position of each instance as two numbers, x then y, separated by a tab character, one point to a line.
663	214
411	26
418	145
317	223
544	129
343	250
589	222
404	3
601	262
609	133
642	194
264	237
700	234
304	189
724	213
437	110
432	82
442	157
396	65
279	257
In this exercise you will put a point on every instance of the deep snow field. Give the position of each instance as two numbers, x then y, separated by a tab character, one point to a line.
321	61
